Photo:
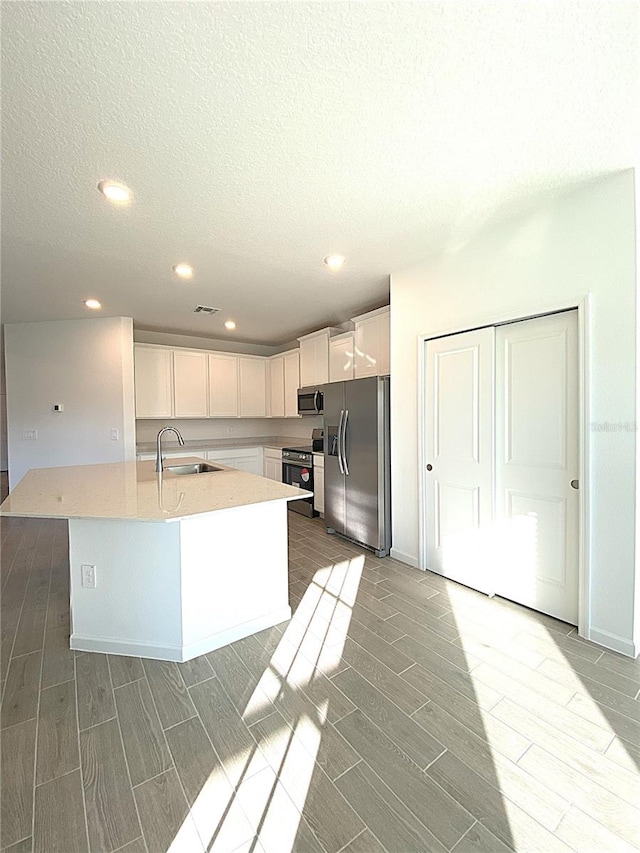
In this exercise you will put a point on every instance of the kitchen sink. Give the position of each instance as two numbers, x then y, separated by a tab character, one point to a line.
194	468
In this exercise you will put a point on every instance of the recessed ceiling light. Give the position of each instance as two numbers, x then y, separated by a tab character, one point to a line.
334	262
183	270
92	303
115	192
229	324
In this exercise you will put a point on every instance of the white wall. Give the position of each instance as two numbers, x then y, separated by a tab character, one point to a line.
88	366
215	428
582	243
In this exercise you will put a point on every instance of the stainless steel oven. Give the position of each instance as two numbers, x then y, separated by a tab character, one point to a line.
297	470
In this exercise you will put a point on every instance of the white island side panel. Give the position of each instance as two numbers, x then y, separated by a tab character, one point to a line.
136	603
234	569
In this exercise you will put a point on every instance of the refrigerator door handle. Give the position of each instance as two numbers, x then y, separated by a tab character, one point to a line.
344	442
339	438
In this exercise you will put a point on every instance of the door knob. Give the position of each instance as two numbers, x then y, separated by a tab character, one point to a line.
575	484
429	467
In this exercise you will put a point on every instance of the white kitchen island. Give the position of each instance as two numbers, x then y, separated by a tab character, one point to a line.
184	564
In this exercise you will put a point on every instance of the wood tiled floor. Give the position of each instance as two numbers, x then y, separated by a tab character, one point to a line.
396	711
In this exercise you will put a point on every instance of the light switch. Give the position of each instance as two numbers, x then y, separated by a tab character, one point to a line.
114	434
29	434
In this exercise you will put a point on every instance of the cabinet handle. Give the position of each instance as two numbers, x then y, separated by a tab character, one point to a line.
429	467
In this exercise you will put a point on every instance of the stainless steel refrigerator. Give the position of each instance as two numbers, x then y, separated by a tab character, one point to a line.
357	471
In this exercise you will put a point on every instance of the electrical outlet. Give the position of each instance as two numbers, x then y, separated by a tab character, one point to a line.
88	576
29	434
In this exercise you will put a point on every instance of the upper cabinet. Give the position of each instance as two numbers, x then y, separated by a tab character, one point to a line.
372	343
223	385
291	383
276	386
252	378
154	381
341	357
175	382
284	381
190	381
181	383
314	357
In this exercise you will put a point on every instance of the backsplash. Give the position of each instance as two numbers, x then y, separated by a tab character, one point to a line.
147	430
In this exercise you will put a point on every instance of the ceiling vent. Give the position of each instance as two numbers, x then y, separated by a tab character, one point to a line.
205	309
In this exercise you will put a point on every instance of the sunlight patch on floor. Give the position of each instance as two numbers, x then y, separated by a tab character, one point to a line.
269	799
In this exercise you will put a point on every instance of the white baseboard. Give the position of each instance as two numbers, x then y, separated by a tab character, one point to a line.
409	559
180	653
124	647
238	632
614	642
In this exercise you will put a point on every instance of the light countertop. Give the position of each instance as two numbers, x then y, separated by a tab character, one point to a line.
132	491
277	442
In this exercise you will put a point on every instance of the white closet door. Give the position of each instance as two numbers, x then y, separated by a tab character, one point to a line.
459	443
536	459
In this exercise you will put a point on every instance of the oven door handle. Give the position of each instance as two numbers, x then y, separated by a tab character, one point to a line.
344	442
339	439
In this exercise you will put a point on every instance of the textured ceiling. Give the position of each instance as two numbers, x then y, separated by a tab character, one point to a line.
259	137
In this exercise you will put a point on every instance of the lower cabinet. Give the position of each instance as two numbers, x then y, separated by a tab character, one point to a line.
254	460
246	459
166	454
273	464
318	483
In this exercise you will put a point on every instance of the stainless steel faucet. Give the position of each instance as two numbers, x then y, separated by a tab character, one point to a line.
159	459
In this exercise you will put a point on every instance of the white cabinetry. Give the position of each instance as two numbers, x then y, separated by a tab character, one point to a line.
276	386
252	376
372	343
190	384
273	464
291	383
244	459
318	482
154	381
169	454
284	381
341	357
314	357
223	385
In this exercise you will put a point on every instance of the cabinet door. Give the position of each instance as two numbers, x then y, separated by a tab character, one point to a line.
250	461
372	346
154	382
190	384
253	387
276	386
273	468
308	362
314	359
341	358
321	359
291	384
223	386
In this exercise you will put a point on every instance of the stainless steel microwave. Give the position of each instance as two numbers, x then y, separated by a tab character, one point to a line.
310	400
